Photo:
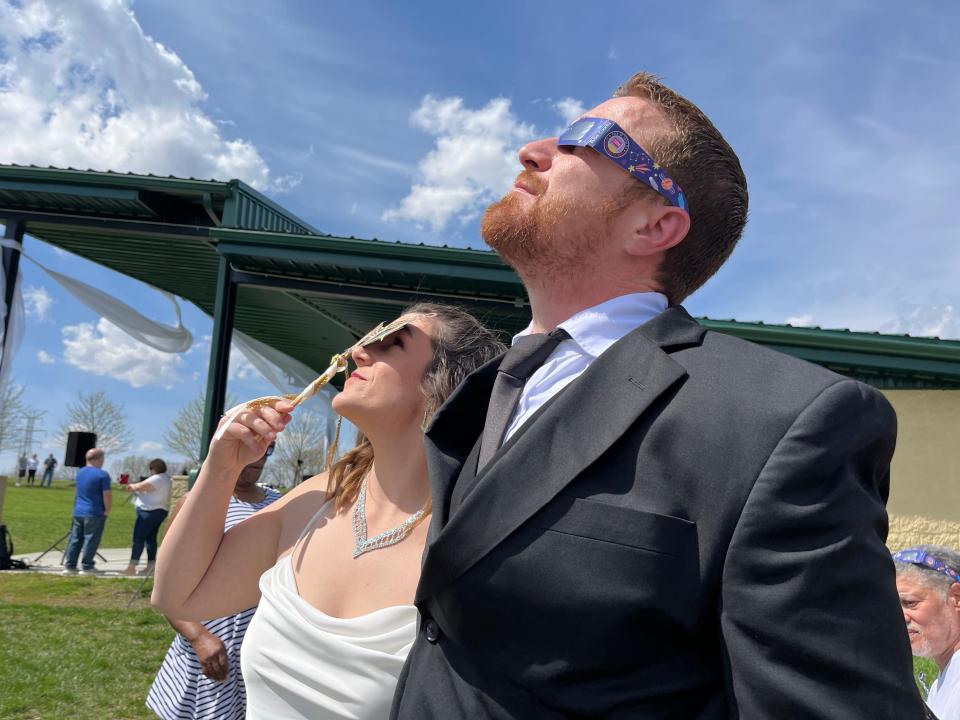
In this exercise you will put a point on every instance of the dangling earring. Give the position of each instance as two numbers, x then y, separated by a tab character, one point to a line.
332	451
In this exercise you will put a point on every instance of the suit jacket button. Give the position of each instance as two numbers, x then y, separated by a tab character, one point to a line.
431	630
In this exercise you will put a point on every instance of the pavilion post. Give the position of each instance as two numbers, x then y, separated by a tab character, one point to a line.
219	352
13	230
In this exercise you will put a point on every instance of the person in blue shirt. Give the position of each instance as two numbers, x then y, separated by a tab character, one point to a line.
91	507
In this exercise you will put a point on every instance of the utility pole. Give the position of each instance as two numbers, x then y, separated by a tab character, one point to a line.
30	417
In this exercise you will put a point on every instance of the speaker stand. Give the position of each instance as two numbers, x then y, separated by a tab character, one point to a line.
63	551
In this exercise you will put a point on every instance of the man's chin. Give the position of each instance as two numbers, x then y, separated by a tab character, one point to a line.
505	227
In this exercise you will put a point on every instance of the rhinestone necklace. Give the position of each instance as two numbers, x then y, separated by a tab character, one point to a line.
387	538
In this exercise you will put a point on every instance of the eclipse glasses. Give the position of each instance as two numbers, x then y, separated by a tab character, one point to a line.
612	141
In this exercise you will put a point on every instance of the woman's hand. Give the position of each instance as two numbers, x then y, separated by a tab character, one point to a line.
248	436
212	656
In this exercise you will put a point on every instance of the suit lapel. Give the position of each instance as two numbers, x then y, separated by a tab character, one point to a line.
453	432
586	419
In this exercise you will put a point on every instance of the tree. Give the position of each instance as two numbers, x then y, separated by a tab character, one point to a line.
11	415
301	449
137	466
186	434
98	414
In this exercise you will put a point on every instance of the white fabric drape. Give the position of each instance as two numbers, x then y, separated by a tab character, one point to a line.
286	374
279	369
10	341
166	338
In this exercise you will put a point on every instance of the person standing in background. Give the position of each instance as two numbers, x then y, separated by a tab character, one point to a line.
21	468
152	501
49	465
32	465
928	582
200	676
91	507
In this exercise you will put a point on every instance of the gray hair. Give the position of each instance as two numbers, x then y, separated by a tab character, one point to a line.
928	577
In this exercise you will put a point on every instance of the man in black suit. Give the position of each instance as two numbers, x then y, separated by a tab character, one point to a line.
667	522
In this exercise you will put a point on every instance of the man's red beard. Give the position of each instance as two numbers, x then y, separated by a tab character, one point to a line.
556	234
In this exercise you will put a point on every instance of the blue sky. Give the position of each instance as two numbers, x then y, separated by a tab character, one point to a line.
401	120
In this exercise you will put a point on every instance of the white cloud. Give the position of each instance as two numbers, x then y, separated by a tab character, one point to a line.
44	357
569	109
942	321
472	163
149	446
81	85
240	368
805	320
36	302
108	351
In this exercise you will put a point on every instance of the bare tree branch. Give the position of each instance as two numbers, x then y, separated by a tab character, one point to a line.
186	434
138	466
301	449
11	414
98	414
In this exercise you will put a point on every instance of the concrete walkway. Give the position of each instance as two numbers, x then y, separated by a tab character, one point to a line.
115	564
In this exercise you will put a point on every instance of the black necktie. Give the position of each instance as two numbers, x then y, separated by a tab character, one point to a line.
520	362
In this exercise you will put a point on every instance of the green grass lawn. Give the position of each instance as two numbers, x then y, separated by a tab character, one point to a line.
71	649
36	516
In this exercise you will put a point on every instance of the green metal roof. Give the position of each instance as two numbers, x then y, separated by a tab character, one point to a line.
311	294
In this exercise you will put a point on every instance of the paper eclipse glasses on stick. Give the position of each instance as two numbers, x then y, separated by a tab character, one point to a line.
338	363
612	141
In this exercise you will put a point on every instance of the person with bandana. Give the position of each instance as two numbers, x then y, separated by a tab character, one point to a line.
928	581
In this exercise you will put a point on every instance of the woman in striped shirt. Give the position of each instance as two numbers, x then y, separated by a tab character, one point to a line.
200	676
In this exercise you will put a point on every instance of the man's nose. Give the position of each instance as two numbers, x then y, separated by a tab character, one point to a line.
538	155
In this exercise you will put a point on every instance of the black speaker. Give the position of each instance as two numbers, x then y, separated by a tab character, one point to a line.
77	445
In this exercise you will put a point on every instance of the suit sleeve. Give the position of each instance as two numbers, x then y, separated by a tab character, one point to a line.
810	616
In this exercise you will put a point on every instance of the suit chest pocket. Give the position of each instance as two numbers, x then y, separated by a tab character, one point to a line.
583	574
603	522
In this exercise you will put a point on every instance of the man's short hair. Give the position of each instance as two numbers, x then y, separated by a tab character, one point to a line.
94	454
927	576
697	157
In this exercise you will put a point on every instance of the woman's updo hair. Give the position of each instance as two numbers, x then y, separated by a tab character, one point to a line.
461	344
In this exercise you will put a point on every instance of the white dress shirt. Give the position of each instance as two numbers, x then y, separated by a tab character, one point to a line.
592	332
944	695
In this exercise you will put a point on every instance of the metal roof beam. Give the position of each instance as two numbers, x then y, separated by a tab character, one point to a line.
104	224
391	296
372	262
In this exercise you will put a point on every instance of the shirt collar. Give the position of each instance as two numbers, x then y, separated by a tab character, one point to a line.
596	328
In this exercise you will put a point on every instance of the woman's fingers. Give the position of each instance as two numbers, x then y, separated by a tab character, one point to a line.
284	407
254	441
274	418
257	423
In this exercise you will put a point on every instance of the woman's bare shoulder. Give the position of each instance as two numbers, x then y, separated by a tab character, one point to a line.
300	504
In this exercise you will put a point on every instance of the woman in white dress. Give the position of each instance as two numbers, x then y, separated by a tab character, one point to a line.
334	563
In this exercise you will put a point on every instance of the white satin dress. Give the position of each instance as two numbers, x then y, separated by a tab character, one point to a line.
299	662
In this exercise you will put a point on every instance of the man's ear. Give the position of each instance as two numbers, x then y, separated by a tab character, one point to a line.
652	229
953	596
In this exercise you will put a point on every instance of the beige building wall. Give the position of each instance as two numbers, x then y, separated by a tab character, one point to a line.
924	503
